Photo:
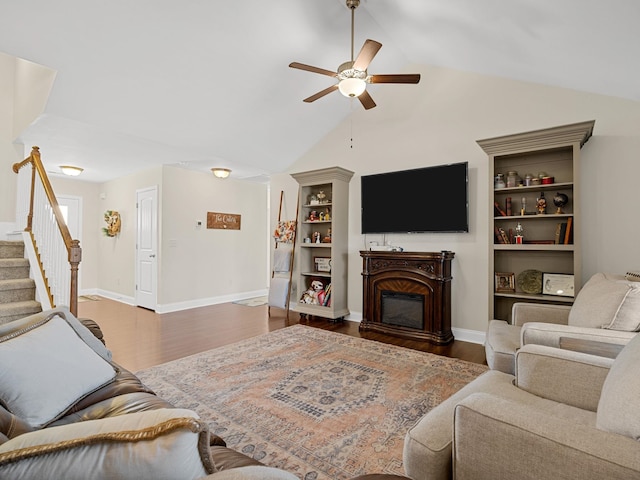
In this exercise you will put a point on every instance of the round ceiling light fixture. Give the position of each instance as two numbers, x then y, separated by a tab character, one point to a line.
71	170
221	172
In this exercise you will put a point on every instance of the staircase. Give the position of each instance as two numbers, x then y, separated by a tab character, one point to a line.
17	290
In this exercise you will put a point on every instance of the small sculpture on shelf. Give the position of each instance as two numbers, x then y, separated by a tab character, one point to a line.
560	200
541	204
313	216
327	237
316	237
519	238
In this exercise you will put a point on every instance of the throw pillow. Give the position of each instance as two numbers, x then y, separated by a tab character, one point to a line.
598	300
46	369
627	317
617	411
159	444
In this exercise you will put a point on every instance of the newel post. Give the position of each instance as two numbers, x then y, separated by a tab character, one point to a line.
75	256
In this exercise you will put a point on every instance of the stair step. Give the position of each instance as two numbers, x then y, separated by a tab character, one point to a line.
10	249
17	290
16	310
13	268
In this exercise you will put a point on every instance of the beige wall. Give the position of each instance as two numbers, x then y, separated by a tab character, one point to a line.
24	90
201	265
439	122
196	265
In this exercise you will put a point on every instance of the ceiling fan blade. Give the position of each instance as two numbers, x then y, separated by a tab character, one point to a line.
369	50
309	68
321	94
398	78
366	100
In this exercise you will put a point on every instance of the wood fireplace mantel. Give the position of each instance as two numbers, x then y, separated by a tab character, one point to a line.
420	279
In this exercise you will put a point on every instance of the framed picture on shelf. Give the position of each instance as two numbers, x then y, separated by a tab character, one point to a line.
323	264
558	284
505	282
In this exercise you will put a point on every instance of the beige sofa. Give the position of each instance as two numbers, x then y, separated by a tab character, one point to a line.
564	415
607	309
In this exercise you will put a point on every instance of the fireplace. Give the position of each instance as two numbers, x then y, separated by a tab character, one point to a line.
408	294
402	309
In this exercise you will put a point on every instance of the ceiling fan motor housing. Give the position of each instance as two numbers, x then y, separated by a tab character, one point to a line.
353	4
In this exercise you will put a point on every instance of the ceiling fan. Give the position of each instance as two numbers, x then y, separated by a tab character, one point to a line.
352	76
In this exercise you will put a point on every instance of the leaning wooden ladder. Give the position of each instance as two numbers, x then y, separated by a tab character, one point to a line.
283	261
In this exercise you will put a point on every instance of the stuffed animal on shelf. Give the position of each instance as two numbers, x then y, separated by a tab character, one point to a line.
310	296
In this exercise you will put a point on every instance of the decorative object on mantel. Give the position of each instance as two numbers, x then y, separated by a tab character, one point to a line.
221	172
223	221
114	223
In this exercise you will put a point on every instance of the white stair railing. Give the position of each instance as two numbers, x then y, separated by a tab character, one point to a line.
38	213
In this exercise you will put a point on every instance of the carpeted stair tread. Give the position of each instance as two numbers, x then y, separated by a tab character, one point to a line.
16	310
17	290
13	268
9	249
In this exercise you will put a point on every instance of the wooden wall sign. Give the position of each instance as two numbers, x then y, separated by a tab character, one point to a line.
223	221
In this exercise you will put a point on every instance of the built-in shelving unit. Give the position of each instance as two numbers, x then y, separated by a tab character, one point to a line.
323	241
552	157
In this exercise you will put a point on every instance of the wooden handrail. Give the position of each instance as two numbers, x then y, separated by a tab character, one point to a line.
74	251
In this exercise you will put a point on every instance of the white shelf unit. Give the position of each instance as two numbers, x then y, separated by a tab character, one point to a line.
555	151
334	183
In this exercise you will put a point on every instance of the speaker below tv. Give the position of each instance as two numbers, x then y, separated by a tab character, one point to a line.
429	199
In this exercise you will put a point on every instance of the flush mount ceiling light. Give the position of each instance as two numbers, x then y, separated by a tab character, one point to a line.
221	172
71	170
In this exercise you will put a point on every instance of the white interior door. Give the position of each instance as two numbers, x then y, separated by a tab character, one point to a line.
71	209
147	248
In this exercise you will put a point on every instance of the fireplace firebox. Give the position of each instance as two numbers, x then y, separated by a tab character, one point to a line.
408	294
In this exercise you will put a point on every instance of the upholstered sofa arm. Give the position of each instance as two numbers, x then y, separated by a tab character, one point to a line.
549	334
500	438
572	378
539	312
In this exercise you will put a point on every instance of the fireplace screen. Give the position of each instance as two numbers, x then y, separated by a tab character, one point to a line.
402	309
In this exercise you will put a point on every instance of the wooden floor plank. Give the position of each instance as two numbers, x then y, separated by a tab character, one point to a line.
141	338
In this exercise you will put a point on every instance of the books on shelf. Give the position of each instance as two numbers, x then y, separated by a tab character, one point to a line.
564	232
499	210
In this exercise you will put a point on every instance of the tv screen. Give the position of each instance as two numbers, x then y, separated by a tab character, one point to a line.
430	199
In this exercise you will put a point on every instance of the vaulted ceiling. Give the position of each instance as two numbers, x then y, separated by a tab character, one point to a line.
203	83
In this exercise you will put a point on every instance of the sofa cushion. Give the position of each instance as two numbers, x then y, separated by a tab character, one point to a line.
627	316
47	368
598	301
158	444
12	426
618	406
253	472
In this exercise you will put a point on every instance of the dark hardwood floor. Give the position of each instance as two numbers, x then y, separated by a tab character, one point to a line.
140	338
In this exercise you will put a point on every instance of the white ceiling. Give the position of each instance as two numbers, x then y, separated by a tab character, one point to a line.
203	83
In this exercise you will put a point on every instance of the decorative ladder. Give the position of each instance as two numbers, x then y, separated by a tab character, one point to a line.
39	215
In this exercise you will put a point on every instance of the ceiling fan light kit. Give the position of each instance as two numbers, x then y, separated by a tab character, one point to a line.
352	76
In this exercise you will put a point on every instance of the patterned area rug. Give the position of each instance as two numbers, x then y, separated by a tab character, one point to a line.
252	302
319	404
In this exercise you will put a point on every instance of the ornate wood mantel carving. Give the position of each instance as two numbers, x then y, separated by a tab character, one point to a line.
422	274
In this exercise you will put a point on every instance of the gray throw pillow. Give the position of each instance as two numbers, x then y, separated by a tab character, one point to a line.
598	301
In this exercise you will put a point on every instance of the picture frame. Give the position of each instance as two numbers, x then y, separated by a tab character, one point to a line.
558	284
505	282
322	264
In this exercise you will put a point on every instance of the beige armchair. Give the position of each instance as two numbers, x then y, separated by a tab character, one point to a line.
565	415
607	309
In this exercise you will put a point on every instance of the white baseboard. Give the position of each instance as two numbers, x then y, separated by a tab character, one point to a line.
205	302
471	336
462	334
118	297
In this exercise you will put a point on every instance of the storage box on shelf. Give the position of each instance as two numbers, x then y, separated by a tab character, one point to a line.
322	250
540	174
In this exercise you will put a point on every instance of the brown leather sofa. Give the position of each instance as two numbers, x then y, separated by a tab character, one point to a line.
123	395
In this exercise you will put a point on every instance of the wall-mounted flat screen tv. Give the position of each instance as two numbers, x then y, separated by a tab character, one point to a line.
430	199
